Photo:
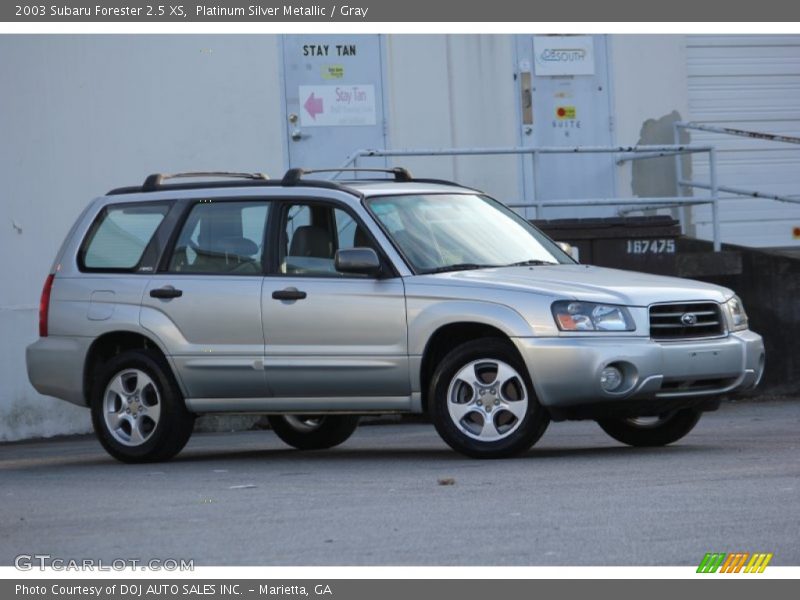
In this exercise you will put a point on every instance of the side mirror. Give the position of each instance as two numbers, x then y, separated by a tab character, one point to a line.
360	261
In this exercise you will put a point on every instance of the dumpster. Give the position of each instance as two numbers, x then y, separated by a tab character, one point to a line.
649	244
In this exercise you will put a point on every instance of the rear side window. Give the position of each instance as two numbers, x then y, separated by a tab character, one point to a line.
221	238
120	236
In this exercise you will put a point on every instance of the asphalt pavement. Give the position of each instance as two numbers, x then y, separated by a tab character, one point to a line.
397	495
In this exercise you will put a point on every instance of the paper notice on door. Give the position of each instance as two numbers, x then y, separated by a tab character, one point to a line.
337	105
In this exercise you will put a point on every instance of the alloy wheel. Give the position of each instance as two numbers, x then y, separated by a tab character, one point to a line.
487	400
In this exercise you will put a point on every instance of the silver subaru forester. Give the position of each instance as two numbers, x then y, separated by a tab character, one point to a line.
317	301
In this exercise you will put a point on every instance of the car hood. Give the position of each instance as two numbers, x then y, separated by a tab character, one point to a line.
585	282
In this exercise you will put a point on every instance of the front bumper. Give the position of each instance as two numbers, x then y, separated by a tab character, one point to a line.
566	371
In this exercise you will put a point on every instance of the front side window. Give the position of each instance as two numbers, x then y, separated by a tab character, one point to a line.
121	235
310	236
440	232
221	238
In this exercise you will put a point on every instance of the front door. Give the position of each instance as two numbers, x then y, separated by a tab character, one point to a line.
563	87
334	98
331	335
205	303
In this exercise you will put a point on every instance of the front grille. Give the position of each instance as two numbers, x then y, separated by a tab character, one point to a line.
687	320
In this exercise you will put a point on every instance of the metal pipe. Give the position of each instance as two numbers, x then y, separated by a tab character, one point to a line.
687	203
352	159
741	192
758	135
615	201
537	207
712	166
677	152
683	213
534	150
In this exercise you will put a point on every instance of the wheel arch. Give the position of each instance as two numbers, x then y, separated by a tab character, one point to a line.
446	338
462	319
112	343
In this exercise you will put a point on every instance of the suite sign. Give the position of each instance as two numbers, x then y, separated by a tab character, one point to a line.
563	55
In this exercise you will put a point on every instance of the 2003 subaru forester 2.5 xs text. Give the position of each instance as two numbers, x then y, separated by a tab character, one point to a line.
316	301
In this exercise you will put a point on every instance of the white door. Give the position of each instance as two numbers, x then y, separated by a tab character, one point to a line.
334	98
748	82
564	101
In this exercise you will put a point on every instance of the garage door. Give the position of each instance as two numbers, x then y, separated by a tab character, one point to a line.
753	83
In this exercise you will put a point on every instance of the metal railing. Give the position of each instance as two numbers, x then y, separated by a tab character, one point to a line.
753	135
622	153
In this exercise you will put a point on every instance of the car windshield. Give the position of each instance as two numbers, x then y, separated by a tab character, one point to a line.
449	232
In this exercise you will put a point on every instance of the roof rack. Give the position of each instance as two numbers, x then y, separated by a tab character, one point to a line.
154	181
294	176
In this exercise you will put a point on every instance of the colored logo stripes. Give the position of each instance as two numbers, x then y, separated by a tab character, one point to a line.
736	562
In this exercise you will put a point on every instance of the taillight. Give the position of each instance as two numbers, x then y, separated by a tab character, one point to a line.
44	305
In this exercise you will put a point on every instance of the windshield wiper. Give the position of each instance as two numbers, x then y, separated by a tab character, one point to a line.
531	263
458	267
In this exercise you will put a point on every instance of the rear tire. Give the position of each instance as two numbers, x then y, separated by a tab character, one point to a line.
482	401
309	432
650	432
138	411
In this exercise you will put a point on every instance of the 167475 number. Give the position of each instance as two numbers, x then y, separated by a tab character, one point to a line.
656	246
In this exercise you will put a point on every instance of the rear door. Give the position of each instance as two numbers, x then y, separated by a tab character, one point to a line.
205	301
343	335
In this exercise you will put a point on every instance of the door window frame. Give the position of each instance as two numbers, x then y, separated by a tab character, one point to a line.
187	205
277	231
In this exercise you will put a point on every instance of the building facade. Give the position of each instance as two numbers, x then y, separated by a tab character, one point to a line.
82	114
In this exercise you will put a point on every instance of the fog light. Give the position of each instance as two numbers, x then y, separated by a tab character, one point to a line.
610	379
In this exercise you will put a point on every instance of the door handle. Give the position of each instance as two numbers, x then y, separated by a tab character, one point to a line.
166	292
288	294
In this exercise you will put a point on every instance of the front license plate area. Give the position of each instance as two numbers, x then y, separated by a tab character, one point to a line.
719	360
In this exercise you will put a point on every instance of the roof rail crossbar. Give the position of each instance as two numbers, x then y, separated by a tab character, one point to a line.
154	181
294	176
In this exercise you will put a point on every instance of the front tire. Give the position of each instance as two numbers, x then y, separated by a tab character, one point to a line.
652	431
138	411
482	401
309	432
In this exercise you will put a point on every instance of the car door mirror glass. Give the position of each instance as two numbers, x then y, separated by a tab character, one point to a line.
359	261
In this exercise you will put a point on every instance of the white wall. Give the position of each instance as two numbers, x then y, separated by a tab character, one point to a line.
649	81
80	115
747	82
448	91
458	91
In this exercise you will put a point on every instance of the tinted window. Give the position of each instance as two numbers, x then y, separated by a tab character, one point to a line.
311	236
121	236
221	237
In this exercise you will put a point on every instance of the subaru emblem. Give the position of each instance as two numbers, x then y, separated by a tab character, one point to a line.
689	319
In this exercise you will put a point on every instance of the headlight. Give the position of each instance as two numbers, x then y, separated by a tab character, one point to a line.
588	316
737	315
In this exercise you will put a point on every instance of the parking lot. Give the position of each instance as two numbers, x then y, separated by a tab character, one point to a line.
395	494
